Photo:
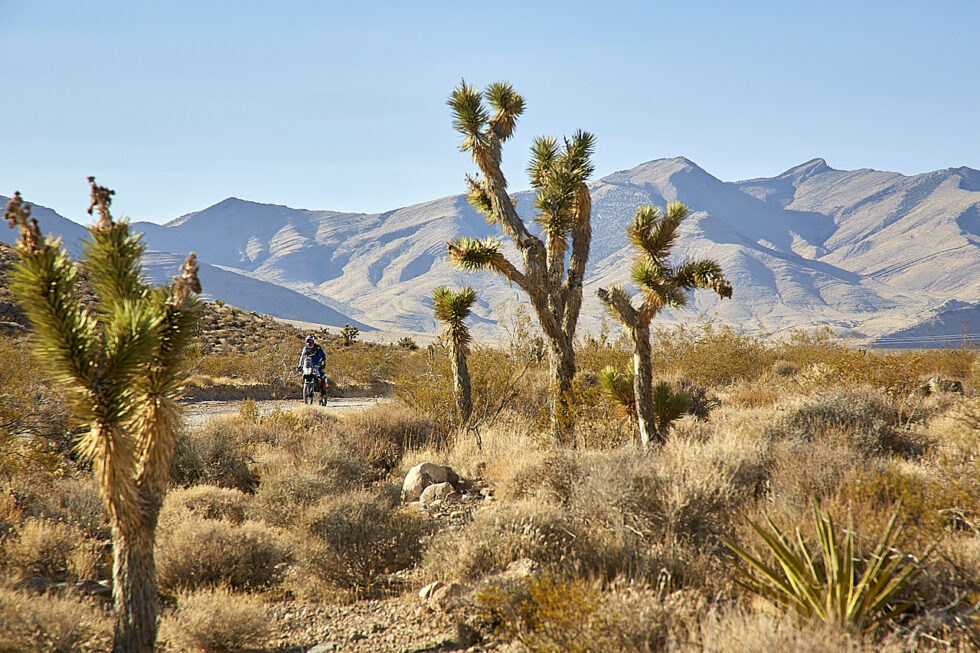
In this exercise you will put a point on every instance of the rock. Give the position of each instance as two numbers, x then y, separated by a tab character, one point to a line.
326	647
422	476
95	588
436	493
448	595
426	592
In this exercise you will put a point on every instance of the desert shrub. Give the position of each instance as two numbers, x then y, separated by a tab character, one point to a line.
215	621
382	433
352	542
328	468
49	623
710	355
197	553
51	550
736	629
865	419
927	505
547	534
801	471
206	502
499	383
214	454
546	613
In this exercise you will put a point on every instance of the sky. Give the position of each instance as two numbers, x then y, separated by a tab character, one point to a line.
342	105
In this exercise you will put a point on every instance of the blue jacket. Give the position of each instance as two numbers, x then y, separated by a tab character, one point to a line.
317	357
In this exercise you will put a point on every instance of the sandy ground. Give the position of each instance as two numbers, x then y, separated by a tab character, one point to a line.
198	412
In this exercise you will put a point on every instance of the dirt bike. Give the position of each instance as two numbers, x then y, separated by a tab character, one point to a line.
311	385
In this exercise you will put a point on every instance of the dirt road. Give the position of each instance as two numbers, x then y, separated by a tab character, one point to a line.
198	412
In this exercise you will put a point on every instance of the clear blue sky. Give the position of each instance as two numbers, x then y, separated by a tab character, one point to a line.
341	106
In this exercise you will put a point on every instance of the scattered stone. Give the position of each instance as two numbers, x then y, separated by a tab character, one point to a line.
426	592
326	647
357	636
436	493
448	595
422	476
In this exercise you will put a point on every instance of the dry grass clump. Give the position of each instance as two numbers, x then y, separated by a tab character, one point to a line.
197	553
206	502
217	621
214	454
56	624
50	550
328	467
381	434
547	534
863	418
354	541
73	500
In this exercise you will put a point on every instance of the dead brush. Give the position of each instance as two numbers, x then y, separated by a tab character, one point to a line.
215	620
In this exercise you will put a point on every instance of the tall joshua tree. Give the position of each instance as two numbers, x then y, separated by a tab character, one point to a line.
121	367
654	235
452	308
558	173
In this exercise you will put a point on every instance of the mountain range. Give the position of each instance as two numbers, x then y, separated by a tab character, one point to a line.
877	255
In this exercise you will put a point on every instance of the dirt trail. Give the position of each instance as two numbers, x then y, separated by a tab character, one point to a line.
199	411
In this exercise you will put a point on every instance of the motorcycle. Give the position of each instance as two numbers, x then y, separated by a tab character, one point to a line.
311	385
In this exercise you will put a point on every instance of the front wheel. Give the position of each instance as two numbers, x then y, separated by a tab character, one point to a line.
308	393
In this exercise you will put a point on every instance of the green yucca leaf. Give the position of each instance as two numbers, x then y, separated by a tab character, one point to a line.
453	306
544	152
508	104
469	114
653	233
618	386
823	586
112	258
668	406
579	150
704	274
470	254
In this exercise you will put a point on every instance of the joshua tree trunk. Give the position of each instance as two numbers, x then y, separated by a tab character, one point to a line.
461	383
561	361
134	589
643	385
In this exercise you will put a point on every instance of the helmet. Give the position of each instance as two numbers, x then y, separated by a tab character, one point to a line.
310	340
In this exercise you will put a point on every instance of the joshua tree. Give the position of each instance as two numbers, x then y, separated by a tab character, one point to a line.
661	285
451	309
558	172
121	367
668	405
349	334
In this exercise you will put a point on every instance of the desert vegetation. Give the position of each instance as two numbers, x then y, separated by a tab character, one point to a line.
792	493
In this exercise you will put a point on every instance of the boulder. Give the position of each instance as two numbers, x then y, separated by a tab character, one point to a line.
447	596
436	493
422	476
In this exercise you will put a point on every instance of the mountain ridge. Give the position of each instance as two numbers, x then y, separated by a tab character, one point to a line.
861	251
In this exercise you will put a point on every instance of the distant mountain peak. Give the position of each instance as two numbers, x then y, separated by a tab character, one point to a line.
808	169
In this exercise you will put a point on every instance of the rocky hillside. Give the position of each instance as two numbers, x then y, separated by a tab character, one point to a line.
864	252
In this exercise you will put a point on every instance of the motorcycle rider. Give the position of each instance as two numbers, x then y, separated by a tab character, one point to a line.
317	358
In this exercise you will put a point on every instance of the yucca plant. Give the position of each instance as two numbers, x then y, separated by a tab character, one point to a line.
558	173
452	309
121	367
668	406
828	583
653	235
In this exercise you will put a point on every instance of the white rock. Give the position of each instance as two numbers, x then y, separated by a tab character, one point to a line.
436	493
422	476
426	592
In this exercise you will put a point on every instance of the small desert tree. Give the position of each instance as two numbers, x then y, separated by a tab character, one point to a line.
350	333
654	235
452	308
121	366
558	173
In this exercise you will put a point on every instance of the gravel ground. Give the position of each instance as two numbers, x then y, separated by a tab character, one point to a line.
198	412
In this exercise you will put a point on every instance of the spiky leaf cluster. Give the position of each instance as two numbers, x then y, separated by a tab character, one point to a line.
825	583
558	176
668	406
121	365
452	308
618	386
470	254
